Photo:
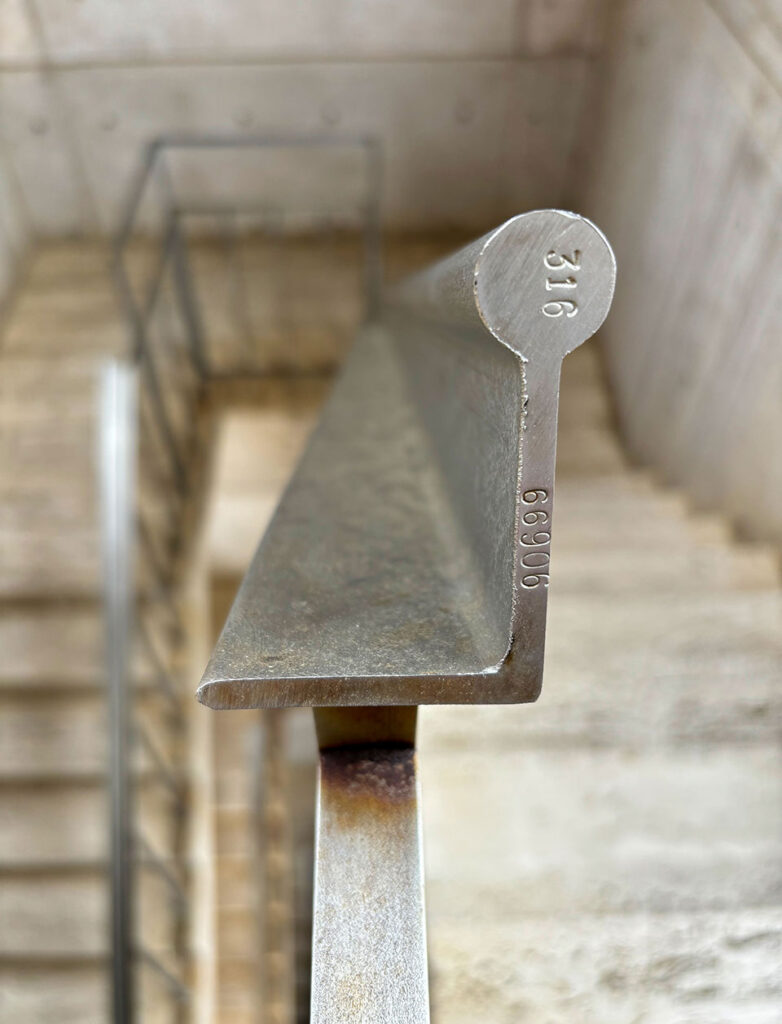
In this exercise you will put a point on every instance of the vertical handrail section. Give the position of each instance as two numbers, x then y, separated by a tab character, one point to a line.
369	960
116	473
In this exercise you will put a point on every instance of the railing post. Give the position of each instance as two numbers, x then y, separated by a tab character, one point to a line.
369	930
116	471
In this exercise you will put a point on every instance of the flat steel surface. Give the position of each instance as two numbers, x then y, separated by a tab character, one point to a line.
369	958
408	560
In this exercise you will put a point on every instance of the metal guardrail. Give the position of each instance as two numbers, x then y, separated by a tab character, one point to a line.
143	440
130	852
154	181
116	476
408	563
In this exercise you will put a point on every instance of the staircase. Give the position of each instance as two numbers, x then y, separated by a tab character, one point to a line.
54	814
610	854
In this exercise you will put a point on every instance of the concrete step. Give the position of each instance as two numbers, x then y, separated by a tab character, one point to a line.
237	1015
44	733
585	710
37	509
580	405
67	821
51	643
62	561
233	837
590	451
50	566
75	991
65	913
601	831
59	443
52	454
238	988
60	645
76	321
615	641
72	993
70	264
632	523
594	571
254	317
53	388
631	494
720	967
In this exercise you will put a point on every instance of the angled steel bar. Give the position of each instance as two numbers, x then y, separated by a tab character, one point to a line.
148	858
159	765
167	687
408	560
183	279
173	982
408	563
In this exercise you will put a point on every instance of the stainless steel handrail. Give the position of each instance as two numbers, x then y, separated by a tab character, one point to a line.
408	563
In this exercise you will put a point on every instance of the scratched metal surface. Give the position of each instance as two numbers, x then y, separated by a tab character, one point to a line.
369	937
369	958
408	560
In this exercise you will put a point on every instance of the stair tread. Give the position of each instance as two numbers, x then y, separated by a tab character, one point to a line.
66	820
73	990
68	914
630	571
75	321
705	966
65	732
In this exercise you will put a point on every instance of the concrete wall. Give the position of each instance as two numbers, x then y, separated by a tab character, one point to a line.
688	187
483	110
478	105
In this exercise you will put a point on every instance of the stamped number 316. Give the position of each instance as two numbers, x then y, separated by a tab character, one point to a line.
564	284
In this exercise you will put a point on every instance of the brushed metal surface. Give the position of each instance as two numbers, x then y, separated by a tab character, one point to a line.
369	960
408	560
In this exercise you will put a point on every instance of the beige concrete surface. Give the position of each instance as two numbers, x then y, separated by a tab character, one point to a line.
613	853
686	181
496	89
610	855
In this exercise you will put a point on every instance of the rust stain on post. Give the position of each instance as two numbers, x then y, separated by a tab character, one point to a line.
369	934
370	782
